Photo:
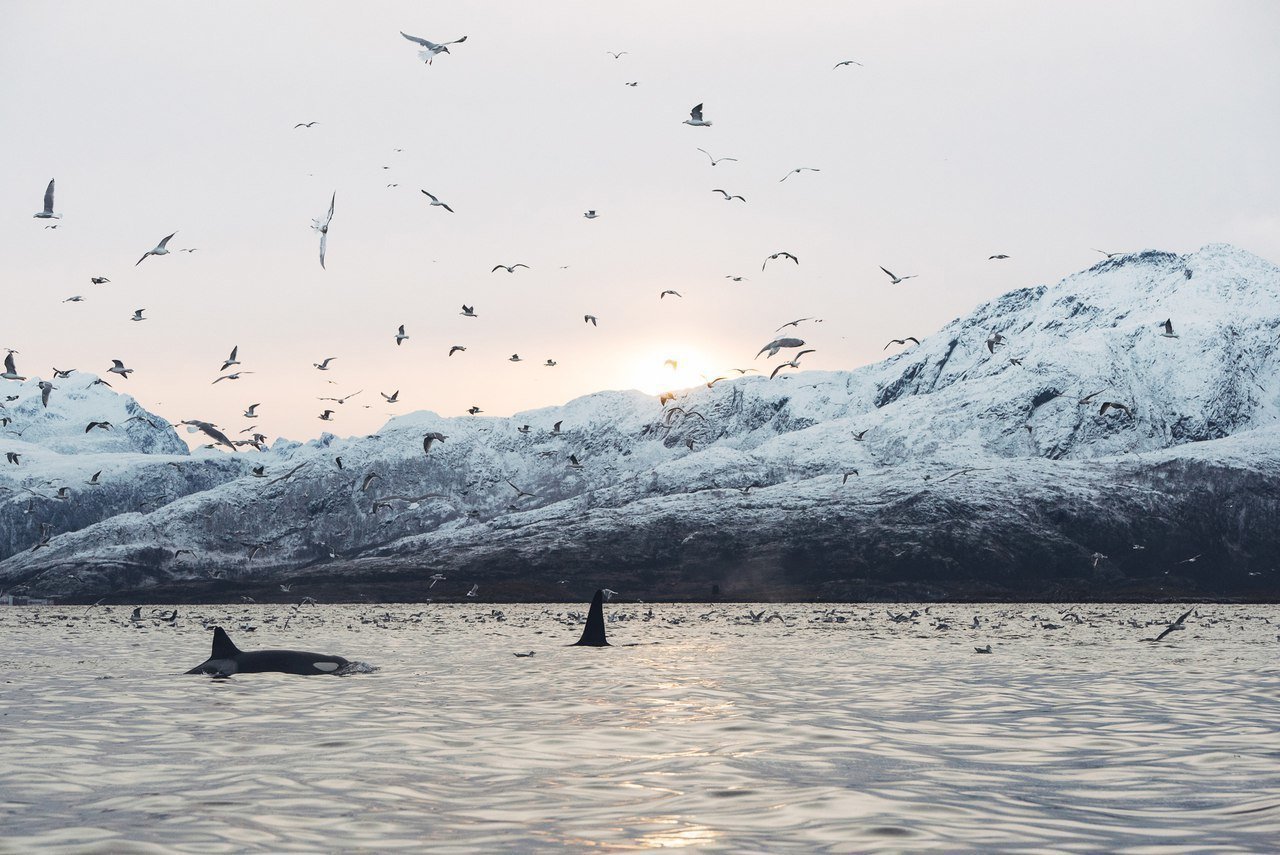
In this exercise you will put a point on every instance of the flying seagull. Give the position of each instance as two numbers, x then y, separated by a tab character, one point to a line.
235	375
1168	329
591	215
304	125
468	311
896	279
47	213
117	367
231	359
161	249
778	255
510	268
324	366
434	436
590	319
1175	626
1108	254
798	169
515	357
695	118
100	280
392	398
457	347
326	416
778	343
400	336
252	412
137	315
210	430
993	341
996	257
321	224
473	410
901	341
727	197
794	363
846	62
715	160
10	370
45	388
1114	405
436	203
796	322
668	291
616	55
431	48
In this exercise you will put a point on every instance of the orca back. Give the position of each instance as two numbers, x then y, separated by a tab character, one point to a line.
223	646
593	632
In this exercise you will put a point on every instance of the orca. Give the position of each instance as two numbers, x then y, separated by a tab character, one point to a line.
227	659
593	632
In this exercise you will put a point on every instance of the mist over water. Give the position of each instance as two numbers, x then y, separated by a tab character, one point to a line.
825	728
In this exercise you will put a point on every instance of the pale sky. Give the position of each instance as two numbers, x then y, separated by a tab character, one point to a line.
1040	130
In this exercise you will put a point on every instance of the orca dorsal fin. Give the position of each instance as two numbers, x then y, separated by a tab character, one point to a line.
593	632
223	646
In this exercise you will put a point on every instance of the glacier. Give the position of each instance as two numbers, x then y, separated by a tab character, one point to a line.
969	467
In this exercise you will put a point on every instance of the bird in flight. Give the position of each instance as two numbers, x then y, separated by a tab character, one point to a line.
515	357
161	248
510	268
326	416
252	411
669	291
392	398
996	257
1114	405
715	160
137	315
591	319
436	203
993	341
117	367
616	55
798	169
727	197
591	215
695	118
232	376
47	213
794	363
434	436
231	359
1175	626
431	48
400	335
468	311
304	125
474	411
846	62
324	366
902	341
321	224
10	370
797	322
778	343
778	255
1108	254
456	348
896	279
100	280
1168	329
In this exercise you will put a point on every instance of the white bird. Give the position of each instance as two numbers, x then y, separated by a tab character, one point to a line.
400	336
321	224
673	293
252	412
93	481
437	577
231	360
10	371
456	348
235	375
326	416
436	203
515	357
45	388
392	398
47	213
117	367
591	215
794	363
137	315
778	255
1168	329
590	319
798	169
475	589
510	268
715	160
324	366
695	118
896	279
162	248
210	430
431	48
467	312
727	197
618	54
99	280
550	363
846	62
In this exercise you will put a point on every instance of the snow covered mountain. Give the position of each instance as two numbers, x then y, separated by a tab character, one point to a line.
980	463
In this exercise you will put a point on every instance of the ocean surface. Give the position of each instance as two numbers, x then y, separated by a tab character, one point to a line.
802	729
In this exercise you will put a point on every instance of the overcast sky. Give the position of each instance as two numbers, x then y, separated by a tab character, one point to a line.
1039	130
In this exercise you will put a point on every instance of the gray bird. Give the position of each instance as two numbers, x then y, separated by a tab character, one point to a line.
321	224
896	279
210	430
778	343
695	118
436	203
117	367
434	436
47	213
778	255
162	248
45	388
431	49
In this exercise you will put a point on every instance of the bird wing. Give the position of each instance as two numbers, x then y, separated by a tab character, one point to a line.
891	276
163	244
8	364
422	42
446	207
48	198
429	196
911	338
802	353
696	113
498	267
779	368
324	241
234	351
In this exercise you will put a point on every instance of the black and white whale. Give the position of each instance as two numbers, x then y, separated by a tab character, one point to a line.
227	659
593	632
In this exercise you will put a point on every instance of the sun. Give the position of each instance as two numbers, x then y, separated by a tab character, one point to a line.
652	372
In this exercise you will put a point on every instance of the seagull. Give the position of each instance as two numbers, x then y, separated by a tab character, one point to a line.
778	255
437	577
778	343
1168	329
369	479
515	357
473	410
896	279
342	400
12	457
400	336
591	319
845	479
235	375
252	412
436	203
62	375
846	62
1113	405
457	347
10	370
727	197
431	47
137	315
1175	626
392	398
797	322
45	388
993	341
632	83
210	430
434	436
93	480
573	462
695	118
520	494
98	425
117	367
161	249
47	213
510	268
555	428
735	278
794	363
996	257
475	590
665	293
324	366
468	311
550	363
715	160
326	416
616	55
304	125
860	434
321	224
100	280
1108	254
798	169
231	359
591	215
901	341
